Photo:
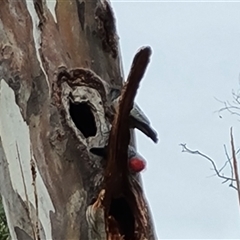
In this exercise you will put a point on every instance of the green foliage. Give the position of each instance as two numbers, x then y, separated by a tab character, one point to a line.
4	232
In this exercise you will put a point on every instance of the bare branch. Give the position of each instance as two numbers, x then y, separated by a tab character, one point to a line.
231	185
229	108
116	174
232	107
228	160
235	167
186	149
120	135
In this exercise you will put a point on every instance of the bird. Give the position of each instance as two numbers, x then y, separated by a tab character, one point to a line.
136	162
139	120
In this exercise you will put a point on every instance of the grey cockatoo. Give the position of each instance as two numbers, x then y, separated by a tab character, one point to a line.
139	120
136	162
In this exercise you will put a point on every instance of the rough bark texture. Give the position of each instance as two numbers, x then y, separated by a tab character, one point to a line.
54	106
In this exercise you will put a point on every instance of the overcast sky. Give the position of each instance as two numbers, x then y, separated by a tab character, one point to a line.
196	58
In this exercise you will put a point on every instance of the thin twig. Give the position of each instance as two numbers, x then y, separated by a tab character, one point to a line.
228	160
185	149
222	168
235	167
232	108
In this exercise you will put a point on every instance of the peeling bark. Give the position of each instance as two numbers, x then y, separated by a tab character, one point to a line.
59	61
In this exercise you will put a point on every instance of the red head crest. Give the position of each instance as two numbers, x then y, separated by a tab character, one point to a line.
136	164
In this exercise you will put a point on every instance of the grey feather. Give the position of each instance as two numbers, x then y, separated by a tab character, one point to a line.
139	120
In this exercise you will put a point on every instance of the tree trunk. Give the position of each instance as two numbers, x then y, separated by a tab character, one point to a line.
54	106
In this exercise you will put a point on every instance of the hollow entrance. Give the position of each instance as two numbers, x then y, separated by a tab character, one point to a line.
83	118
122	213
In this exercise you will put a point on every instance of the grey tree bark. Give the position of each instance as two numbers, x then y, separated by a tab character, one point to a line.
59	62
